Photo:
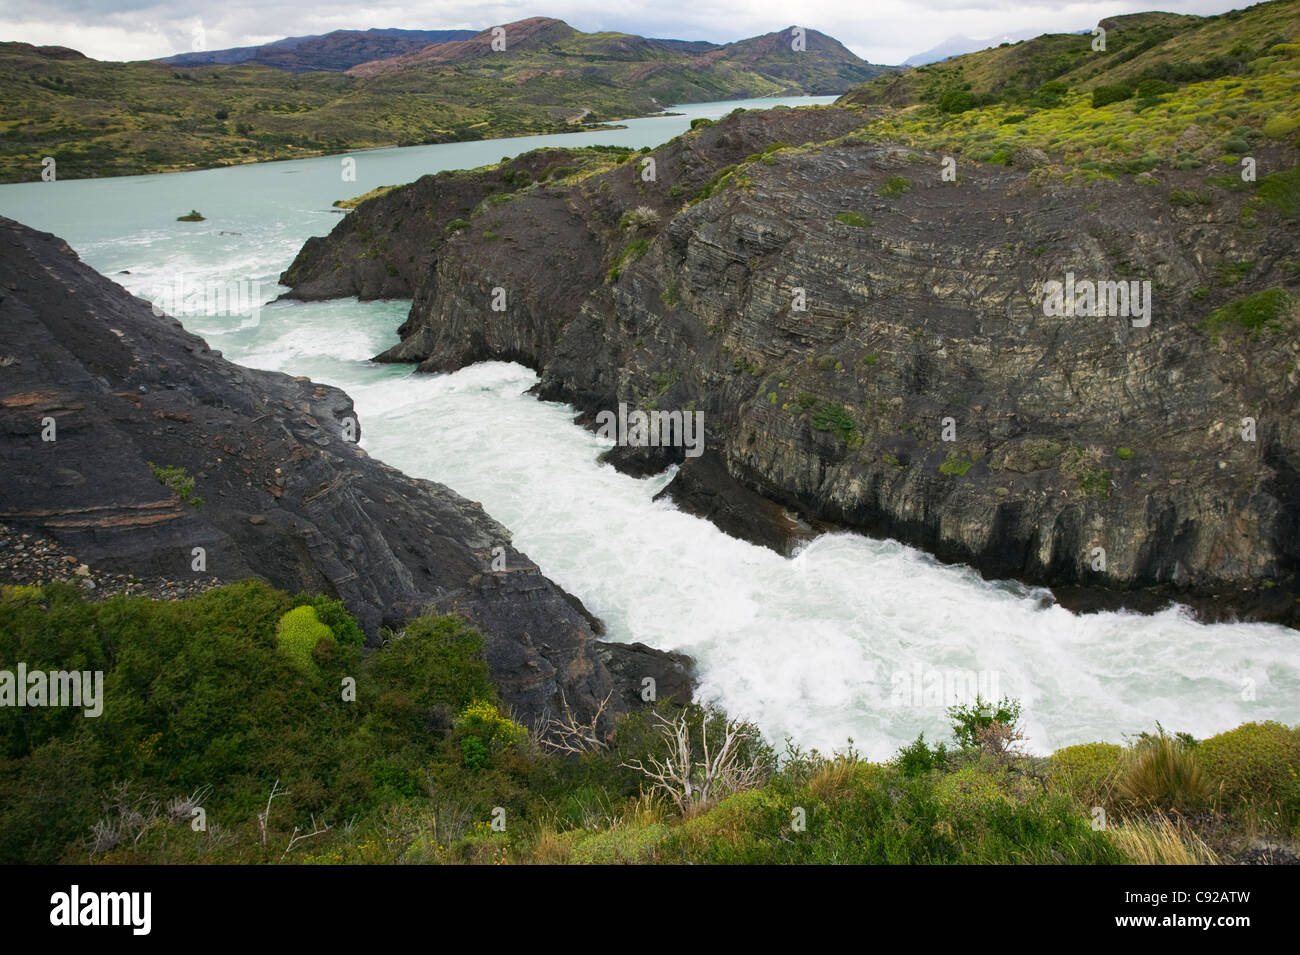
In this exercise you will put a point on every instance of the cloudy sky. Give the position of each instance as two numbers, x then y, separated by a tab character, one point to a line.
882	31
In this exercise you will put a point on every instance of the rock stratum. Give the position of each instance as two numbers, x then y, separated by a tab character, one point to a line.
869	345
285	494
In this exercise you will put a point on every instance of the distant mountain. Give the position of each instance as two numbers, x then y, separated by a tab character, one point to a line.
667	70
334	52
957	45
111	119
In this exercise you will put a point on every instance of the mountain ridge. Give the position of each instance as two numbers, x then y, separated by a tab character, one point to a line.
337	50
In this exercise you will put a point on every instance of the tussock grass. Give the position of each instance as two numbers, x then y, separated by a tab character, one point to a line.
1158	841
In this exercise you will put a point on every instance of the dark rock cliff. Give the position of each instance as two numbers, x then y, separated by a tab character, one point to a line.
286	496
923	393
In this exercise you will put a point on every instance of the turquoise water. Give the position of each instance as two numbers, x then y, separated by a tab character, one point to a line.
848	638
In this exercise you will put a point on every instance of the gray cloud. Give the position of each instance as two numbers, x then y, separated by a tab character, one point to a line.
886	31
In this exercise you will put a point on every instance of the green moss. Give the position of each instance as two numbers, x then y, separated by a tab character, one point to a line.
456	225
854	219
955	465
1256	313
1124	454
1230	273
1281	190
629	254
895	186
665	380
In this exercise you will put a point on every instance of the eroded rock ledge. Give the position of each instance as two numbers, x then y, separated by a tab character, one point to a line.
1072	434
286	496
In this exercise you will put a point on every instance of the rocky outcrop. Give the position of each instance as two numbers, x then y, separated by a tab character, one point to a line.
870	347
98	396
385	246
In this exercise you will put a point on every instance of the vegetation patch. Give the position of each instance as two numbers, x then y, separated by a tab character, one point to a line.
178	481
1281	190
1259	312
955	465
357	200
895	186
629	254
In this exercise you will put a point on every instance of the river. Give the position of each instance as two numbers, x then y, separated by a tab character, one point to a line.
852	637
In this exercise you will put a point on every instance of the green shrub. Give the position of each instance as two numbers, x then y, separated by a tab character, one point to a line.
854	219
298	633
1256	763
970	720
896	186
1124	454
1281	126
334	615
625	844
1188	197
456	225
1110	93
1153	87
701	122
829	416
1086	771
968	796
1050	95
955	101
919	758
178	481
497	732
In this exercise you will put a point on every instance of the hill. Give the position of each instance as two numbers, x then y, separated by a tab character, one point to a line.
335	51
107	119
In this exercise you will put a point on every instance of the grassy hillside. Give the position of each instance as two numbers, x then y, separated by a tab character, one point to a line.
1168	90
219	701
104	119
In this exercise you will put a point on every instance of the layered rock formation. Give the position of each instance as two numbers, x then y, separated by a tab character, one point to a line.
870	347
98	396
